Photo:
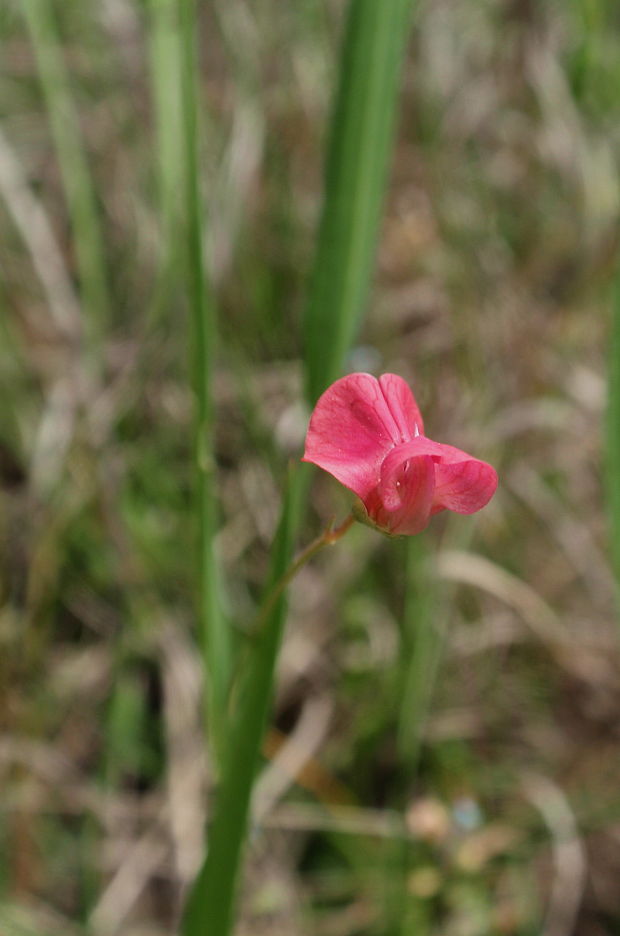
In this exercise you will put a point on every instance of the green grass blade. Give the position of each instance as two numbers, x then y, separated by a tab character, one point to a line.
360	142
165	77
613	434
214	633
210	907
83	212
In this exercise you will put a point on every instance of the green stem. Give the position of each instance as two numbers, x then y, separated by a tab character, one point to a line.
214	633
166	64
210	909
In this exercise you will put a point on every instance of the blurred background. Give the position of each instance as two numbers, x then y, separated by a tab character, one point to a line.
445	746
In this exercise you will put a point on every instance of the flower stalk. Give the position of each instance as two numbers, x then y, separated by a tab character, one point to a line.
328	537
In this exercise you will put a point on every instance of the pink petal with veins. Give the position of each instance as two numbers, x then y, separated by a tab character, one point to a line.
403	406
355	423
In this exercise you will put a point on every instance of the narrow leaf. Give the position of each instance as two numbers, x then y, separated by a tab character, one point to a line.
360	141
210	908
214	633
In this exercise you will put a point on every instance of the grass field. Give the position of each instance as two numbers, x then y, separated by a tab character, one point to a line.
179	280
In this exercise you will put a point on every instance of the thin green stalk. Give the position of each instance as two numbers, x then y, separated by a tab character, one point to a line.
328	537
360	141
165	76
613	433
211	905
214	634
64	123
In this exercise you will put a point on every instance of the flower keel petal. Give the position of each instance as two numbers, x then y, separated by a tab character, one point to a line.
406	492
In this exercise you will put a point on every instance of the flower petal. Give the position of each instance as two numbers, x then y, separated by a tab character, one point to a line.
351	430
464	486
405	492
403	406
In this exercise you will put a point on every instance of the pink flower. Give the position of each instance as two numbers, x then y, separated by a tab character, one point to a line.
369	434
